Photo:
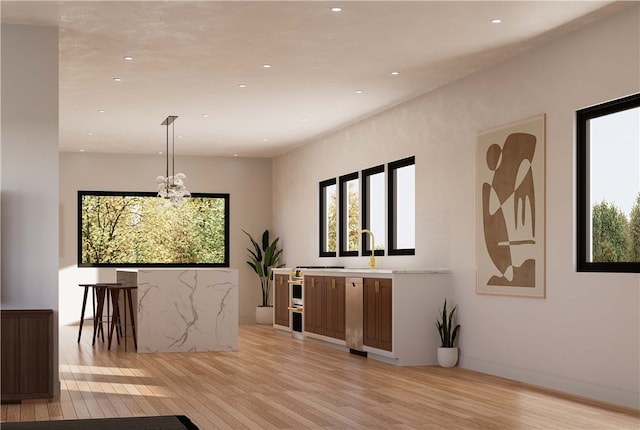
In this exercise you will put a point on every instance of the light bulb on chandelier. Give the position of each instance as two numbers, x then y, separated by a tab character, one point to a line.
171	188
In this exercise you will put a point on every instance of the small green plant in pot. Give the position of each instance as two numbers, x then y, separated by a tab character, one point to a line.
262	258
447	352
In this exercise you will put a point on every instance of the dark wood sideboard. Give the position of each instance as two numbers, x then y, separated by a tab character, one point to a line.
27	355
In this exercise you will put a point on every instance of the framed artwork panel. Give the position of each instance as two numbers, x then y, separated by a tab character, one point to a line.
510	209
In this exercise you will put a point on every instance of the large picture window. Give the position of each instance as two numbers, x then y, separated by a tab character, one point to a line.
118	229
608	186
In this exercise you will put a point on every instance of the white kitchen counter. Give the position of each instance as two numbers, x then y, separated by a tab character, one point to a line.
367	272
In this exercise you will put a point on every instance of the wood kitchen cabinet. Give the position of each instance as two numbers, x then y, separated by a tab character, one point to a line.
313	304
377	310
384	311
324	307
281	300
27	355
334	309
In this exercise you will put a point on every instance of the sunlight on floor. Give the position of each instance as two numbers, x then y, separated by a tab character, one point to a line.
107	370
115	388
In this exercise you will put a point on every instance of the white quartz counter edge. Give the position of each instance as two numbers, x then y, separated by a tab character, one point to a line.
359	271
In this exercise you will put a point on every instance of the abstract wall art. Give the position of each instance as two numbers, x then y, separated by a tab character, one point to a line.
510	210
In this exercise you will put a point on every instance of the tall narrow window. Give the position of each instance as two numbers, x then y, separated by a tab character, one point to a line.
402	203
349	214
608	186
373	203
328	218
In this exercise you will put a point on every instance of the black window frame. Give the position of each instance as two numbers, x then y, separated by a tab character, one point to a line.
364	210
391	207
323	252
583	116
343	236
227	243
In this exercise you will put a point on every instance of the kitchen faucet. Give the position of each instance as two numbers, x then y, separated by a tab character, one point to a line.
372	260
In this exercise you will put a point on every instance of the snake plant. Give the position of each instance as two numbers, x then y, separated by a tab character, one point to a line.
447	332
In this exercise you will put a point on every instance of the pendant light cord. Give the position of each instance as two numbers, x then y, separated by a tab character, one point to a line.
173	149
167	157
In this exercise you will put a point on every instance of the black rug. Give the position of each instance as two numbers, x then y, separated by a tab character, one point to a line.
170	422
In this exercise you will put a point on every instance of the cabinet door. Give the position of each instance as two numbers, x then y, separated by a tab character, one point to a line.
377	309
313	304
10	356
334	289
35	367
370	314
385	315
27	354
281	301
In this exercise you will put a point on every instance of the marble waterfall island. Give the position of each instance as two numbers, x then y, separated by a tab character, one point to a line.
187	310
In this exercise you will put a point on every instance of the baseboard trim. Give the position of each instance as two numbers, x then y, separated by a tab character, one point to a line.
588	390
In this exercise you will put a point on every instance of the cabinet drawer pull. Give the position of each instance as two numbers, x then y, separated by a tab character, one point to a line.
377	285
333	283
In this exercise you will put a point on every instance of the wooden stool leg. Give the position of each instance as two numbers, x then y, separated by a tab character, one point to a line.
97	317
133	322
124	336
84	305
114	299
119	318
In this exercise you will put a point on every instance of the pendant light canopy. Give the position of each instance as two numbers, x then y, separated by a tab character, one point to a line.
171	187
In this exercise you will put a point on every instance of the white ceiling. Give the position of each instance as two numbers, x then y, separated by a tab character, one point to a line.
191	56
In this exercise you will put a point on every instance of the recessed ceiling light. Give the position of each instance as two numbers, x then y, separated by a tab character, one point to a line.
304	119
395	73
100	110
82	150
128	58
235	155
266	66
117	79
265	140
242	85
336	9
205	115
179	136
159	152
496	21
90	133
359	91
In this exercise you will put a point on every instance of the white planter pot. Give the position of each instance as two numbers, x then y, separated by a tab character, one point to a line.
264	315
447	357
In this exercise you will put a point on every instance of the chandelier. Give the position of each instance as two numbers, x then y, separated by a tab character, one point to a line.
171	188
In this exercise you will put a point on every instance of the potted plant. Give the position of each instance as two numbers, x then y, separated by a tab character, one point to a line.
263	258
447	352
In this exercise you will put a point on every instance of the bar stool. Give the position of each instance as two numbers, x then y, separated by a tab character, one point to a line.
115	289
98	296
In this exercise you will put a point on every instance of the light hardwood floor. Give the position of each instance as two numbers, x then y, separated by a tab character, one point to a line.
275	382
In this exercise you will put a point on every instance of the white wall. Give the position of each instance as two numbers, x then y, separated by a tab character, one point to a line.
584	338
247	180
29	171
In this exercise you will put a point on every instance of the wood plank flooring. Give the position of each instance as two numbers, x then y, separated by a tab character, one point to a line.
275	382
